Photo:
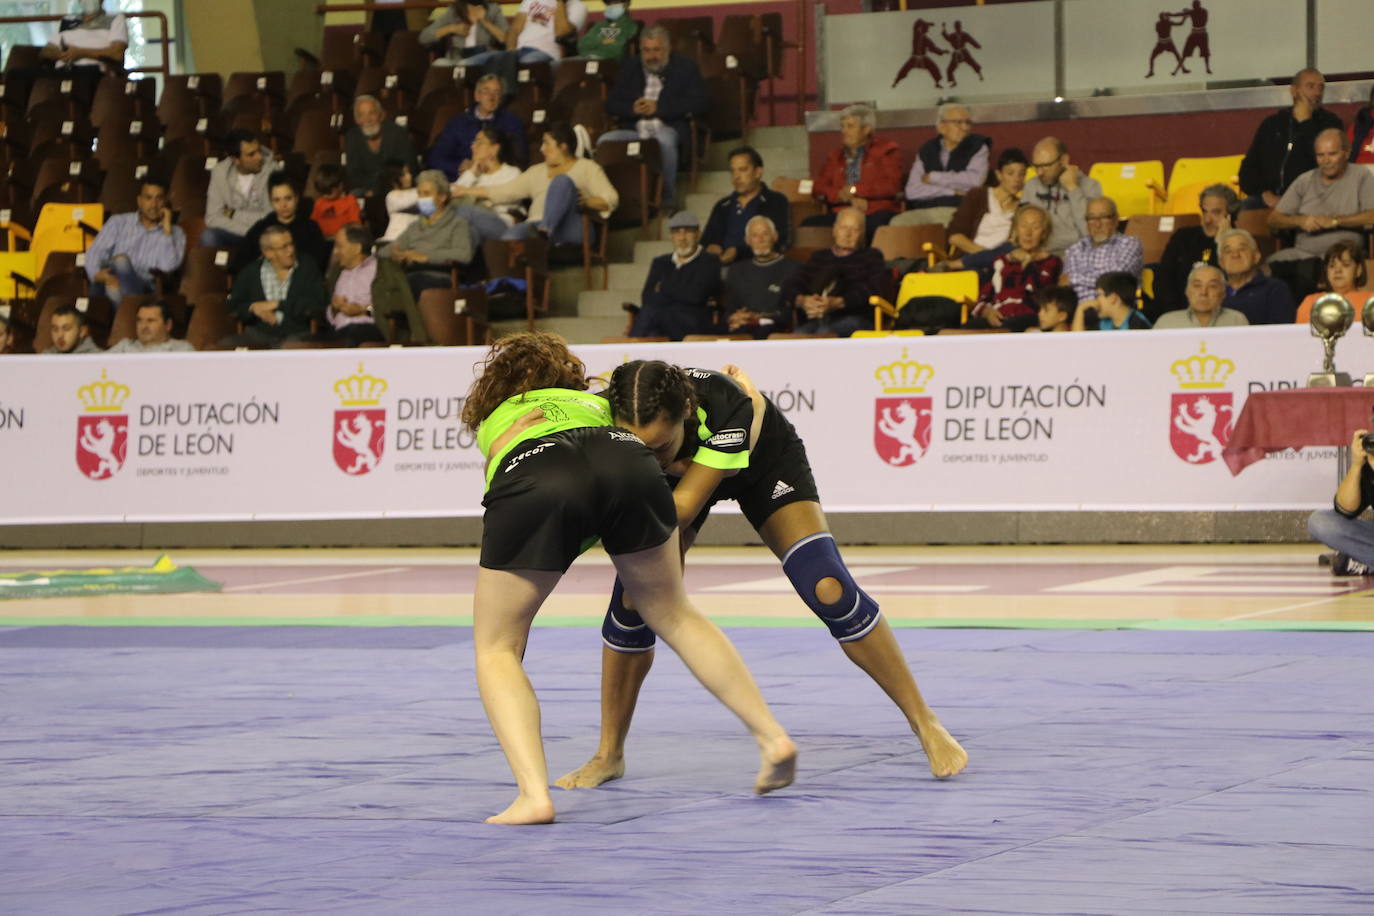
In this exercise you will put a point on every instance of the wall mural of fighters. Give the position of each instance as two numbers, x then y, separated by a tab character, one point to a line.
922	46
1197	38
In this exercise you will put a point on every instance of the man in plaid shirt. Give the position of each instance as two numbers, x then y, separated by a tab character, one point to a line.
1103	250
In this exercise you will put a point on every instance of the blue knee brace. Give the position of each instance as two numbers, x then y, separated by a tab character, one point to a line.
814	558
623	629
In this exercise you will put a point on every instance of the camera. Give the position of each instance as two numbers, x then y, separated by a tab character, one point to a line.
1368	443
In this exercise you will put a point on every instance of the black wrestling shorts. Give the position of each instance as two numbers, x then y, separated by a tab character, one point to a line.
778	474
555	495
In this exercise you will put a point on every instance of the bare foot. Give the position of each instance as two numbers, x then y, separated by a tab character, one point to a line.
778	766
946	756
593	773
525	810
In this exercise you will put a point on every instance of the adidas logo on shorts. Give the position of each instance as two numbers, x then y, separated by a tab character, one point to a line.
781	489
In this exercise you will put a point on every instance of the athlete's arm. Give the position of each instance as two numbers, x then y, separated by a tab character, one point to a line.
741	378
694	491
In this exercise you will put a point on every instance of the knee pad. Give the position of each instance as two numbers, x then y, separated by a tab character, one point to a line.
814	558
624	630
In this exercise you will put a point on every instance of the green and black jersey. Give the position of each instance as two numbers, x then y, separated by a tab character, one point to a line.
718	433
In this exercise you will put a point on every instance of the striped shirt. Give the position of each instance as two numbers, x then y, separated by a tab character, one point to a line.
147	249
1084	262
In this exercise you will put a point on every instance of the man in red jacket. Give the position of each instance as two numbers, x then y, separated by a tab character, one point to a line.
864	173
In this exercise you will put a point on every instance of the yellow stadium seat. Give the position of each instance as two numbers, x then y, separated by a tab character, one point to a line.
1204	171
1130	184
16	262
57	229
961	286
912	333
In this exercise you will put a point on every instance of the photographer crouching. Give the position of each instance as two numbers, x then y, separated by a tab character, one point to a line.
1340	526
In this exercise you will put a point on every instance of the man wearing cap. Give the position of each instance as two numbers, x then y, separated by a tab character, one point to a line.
681	285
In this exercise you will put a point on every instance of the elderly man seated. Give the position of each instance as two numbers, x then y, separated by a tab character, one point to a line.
947	167
153	329
371	143
452	151
754	287
277	297
864	173
1326	205
1102	250
1206	290
727	225
680	286
1249	290
362	286
833	288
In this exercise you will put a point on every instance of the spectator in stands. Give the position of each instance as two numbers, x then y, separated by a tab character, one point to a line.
1206	291
609	38
755	286
452	152
277	298
1005	298
1361	134
89	49
153	327
70	332
1344	271
832	289
1329	204
1340	527
465	28
1193	244
1057	306
681	286
131	246
1102	250
981	227
492	165
286	213
362	286
437	242
371	143
865	173
533	36
556	188
947	167
333	208
1250	291
237	196
1282	146
1062	190
1113	306
396	187
724	236
655	97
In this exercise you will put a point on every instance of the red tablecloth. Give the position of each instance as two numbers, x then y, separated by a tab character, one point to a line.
1272	421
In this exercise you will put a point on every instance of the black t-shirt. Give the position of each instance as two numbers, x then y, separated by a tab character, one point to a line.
1366	493
718	434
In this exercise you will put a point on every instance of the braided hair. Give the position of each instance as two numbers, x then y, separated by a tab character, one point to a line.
519	363
643	390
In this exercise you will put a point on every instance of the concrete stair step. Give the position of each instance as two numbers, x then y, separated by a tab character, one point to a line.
716	181
629	278
583	330
604	303
647	251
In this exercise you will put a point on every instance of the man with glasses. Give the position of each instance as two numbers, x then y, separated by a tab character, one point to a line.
1102	250
947	167
277	297
1063	190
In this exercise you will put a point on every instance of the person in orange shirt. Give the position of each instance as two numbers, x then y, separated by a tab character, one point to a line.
333	208
1345	272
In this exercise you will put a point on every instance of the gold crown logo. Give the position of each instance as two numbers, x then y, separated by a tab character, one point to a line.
1202	370
904	376
360	390
103	396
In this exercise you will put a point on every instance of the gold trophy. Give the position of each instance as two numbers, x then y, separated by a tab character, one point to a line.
1332	315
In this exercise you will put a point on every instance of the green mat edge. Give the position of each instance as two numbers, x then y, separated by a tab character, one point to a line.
758	622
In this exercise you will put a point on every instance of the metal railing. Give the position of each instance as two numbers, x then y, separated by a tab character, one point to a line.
164	42
323	9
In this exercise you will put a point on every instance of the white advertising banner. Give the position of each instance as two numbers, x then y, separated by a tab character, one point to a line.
913	59
1149	44
995	422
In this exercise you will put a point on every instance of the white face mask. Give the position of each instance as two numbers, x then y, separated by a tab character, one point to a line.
614	11
91	7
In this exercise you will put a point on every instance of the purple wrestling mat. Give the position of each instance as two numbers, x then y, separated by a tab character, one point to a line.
346	770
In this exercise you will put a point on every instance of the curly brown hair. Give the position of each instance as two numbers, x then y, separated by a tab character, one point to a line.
519	363
642	390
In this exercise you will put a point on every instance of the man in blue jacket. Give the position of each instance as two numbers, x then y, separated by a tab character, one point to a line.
725	227
452	151
653	97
